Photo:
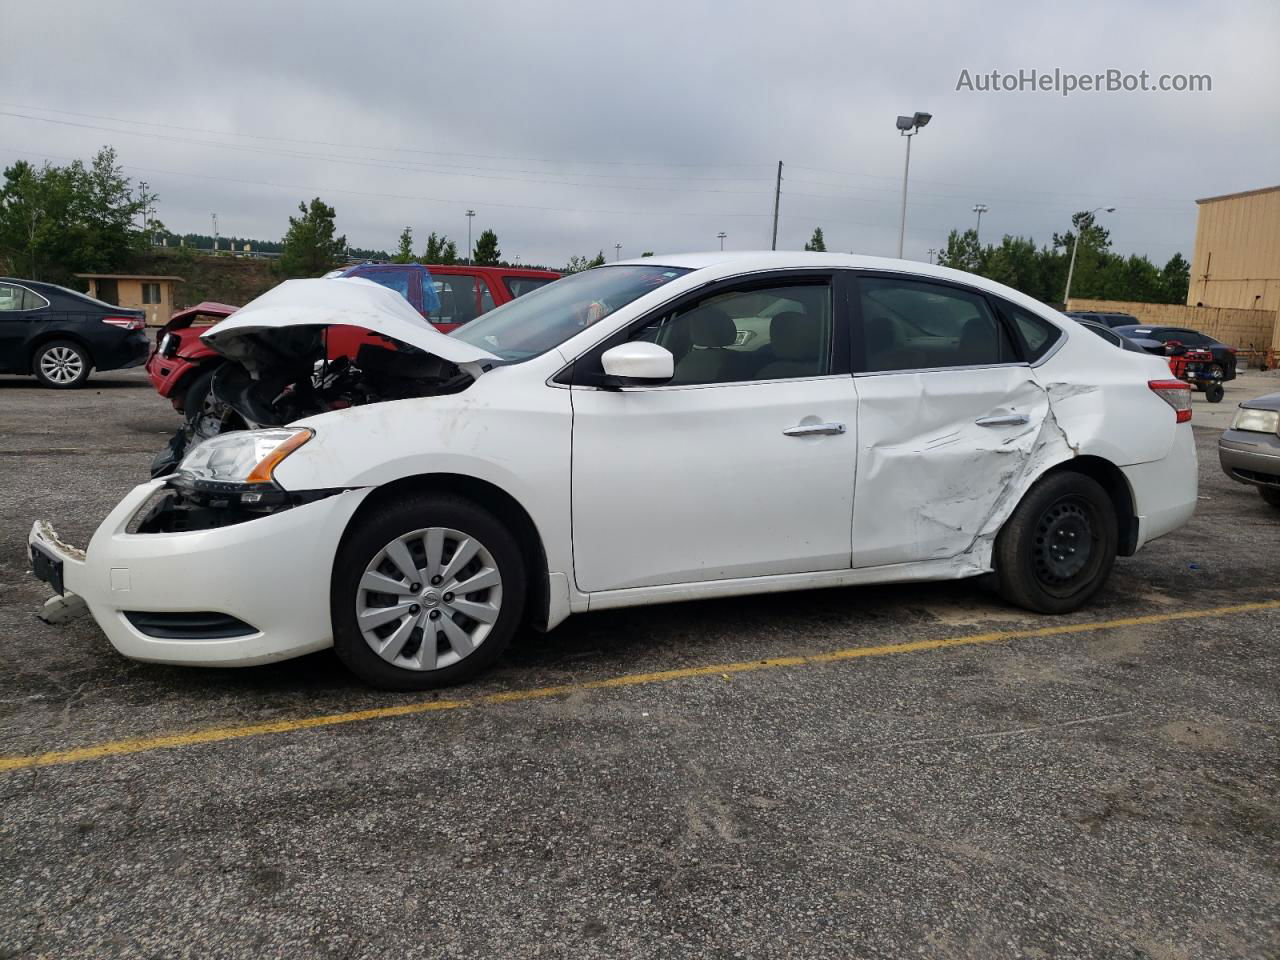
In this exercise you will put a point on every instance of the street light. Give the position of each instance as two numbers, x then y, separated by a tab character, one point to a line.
721	235
470	215
908	127
932	251
1075	245
979	209
617	252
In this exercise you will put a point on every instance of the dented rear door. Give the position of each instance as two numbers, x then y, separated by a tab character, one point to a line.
949	420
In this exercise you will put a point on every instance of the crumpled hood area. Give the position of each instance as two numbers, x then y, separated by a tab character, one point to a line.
350	301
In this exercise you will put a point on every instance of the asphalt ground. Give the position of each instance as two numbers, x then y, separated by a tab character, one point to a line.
868	772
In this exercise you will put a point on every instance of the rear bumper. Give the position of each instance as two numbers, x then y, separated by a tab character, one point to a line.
1165	491
1250	457
132	351
272	573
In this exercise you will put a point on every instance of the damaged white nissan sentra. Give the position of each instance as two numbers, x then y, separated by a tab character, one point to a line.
666	429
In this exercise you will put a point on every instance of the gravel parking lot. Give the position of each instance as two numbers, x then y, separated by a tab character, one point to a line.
870	772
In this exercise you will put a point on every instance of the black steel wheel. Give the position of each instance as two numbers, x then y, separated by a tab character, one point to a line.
1057	549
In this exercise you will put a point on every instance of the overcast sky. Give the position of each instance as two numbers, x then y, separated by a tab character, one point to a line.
569	127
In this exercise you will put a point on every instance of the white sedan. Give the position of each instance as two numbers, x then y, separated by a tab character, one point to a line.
666	429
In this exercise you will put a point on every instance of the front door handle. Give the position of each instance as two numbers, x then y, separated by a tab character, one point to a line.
1011	420
814	429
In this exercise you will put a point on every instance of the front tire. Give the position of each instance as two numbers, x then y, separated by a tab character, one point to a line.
427	592
61	364
1057	549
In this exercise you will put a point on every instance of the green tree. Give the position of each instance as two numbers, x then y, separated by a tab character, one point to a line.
487	253
58	221
963	252
817	243
405	252
1175	279
647	253
578	264
440	250
310	247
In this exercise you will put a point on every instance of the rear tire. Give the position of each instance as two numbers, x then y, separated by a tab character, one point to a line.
61	364
1214	392
427	638
1271	495
1057	549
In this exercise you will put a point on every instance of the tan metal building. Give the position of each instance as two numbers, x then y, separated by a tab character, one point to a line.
151	295
1237	257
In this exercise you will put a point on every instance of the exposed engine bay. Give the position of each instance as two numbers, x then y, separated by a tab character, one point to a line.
273	377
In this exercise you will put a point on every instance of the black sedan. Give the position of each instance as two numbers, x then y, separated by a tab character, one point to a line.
1224	357
58	335
1110	335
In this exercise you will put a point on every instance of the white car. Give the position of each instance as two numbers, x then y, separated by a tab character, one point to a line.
663	429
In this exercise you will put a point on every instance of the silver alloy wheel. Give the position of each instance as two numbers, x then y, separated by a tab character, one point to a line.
61	365
428	598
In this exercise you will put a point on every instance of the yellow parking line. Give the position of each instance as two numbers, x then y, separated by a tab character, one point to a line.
217	734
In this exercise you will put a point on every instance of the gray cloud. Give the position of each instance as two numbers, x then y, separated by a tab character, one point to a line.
569	127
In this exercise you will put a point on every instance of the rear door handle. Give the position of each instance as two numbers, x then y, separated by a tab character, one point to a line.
814	429
1011	420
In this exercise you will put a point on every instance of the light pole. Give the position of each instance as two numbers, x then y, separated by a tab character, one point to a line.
932	251
215	232
617	252
908	127
721	235
979	209
1075	244
470	215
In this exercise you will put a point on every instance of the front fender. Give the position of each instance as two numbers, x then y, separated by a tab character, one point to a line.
525	452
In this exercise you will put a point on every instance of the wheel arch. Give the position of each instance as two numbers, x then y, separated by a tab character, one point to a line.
498	501
48	336
1112	479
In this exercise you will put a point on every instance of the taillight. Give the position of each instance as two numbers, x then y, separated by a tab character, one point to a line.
1176	394
126	323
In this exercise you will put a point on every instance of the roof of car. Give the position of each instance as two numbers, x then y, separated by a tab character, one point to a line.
746	261
773	259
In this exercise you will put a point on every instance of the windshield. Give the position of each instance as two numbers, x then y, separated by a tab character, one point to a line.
550	315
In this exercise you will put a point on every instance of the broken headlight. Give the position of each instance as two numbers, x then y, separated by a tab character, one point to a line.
240	463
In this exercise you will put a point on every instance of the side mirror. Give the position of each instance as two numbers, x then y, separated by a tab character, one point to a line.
637	363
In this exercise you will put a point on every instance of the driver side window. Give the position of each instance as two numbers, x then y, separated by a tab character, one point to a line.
764	333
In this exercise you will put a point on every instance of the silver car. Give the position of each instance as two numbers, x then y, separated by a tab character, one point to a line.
1250	451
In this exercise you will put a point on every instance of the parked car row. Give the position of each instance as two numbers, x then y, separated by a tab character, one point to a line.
60	335
598	443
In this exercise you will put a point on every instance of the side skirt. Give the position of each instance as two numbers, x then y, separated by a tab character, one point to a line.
954	568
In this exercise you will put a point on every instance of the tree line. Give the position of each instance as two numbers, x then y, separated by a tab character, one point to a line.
1041	272
56	221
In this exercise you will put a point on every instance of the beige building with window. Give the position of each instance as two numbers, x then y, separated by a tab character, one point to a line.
1237	256
152	295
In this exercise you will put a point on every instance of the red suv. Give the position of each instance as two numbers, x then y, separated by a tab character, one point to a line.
462	293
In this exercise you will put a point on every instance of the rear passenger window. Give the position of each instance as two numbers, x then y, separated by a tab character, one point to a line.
910	325
11	297
1037	334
